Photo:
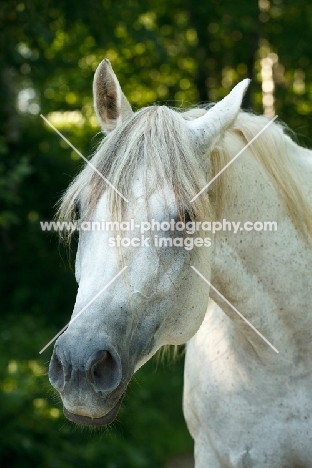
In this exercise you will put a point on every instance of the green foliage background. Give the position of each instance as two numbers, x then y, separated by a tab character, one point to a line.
180	53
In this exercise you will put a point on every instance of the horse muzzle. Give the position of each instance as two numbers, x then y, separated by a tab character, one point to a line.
89	380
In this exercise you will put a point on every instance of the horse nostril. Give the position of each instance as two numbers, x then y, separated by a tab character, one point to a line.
56	372
105	371
103	364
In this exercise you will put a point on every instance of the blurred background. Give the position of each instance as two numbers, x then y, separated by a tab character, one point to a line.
178	53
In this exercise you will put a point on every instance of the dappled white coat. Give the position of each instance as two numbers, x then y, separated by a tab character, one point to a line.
245	405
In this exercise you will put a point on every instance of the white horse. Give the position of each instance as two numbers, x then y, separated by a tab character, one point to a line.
245	405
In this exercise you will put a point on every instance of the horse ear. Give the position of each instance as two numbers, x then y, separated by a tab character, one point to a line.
220	117
110	104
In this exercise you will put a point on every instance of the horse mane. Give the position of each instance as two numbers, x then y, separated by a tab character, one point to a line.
276	152
154	140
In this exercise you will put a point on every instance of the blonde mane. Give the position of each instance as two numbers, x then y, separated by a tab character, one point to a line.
154	140
274	149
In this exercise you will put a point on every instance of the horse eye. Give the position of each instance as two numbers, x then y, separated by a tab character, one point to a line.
77	209
186	217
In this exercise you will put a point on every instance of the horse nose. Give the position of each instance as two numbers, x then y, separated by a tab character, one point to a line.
102	370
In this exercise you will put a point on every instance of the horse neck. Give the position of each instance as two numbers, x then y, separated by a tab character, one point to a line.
263	274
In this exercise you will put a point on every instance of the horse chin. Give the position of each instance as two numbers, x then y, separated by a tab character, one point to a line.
88	421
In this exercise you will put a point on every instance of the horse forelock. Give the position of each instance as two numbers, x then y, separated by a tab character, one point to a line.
154	141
